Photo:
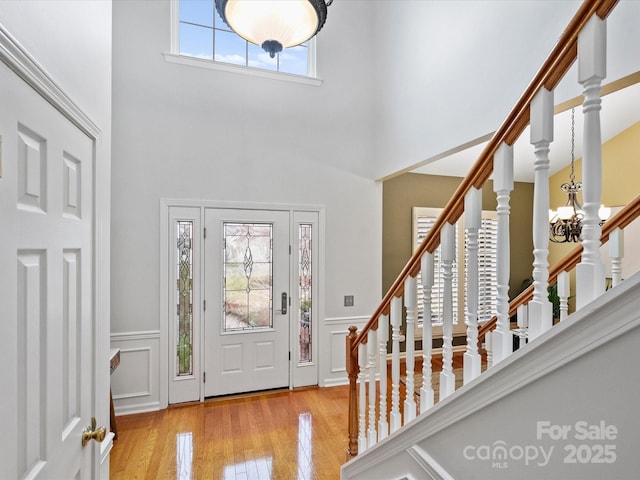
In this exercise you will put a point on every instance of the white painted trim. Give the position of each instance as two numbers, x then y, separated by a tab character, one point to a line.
241	69
581	333
346	320
16	57
428	464
140	408
105	447
165	205
335	382
129	336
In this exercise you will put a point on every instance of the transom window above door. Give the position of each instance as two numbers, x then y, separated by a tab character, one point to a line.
201	33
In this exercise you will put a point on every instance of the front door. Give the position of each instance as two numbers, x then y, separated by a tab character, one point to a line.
46	287
247	306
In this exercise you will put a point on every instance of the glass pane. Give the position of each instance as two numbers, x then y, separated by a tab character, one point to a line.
304	292
184	294
248	270
258	58
230	48
294	60
196	41
197	11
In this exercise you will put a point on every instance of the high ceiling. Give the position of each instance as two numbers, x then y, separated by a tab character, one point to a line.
620	110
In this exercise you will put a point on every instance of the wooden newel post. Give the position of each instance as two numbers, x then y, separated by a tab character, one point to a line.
352	371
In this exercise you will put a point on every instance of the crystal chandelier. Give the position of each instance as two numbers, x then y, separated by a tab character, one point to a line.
565	224
274	24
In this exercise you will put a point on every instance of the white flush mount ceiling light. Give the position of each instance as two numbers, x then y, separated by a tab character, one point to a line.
274	24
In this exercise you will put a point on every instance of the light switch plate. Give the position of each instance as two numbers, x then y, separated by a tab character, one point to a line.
348	300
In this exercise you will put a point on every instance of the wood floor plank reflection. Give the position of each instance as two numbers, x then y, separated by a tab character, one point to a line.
284	435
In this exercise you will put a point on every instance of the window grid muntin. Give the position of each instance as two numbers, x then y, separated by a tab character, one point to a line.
220	25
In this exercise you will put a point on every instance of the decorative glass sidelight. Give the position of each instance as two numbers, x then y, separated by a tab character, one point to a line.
184	294
305	291
248	270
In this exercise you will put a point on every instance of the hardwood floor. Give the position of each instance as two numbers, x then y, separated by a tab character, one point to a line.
281	435
300	434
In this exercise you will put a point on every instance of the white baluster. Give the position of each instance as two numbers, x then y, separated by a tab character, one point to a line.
371	350
395	418
411	305
362	397
540	310
426	392
523	324
383	338
591	72
488	346
564	290
447	252
503	186
473	222
616	253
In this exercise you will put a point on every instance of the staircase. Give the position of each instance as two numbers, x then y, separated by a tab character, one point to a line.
555	407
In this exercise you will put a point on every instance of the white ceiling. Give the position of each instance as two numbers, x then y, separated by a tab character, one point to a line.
620	110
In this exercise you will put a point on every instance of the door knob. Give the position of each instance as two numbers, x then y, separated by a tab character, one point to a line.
90	432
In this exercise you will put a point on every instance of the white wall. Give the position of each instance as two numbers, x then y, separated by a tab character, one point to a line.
183	132
455	69
71	40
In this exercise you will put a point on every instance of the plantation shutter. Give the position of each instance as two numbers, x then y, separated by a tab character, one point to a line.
423	221
487	276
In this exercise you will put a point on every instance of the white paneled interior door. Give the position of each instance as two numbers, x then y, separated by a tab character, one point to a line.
247	271
46	288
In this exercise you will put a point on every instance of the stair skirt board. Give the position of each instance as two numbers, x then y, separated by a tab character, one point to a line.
430	466
581	333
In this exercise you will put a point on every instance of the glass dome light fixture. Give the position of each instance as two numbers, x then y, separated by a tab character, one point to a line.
565	224
274	24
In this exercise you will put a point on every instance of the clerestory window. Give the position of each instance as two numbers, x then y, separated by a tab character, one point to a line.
201	33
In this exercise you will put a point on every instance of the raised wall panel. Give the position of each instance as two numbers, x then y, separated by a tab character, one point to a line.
32	355
32	170
72	186
137	382
71	338
134	385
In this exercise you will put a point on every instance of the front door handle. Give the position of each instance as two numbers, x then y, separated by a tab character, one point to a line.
90	432
283	308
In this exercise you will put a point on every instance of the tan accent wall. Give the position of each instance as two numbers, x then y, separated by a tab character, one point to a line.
620	179
403	192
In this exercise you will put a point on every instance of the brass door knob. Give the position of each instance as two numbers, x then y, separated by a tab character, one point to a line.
90	432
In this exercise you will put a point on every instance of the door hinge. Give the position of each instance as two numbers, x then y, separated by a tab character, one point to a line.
289	356
204	232
289	249
204	305
204	377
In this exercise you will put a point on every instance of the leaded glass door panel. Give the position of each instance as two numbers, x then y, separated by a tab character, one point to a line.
247	300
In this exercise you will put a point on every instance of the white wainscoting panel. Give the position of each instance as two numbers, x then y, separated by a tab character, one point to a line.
332	367
135	383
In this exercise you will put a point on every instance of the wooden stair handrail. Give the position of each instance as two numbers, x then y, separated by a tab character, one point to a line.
622	219
553	69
